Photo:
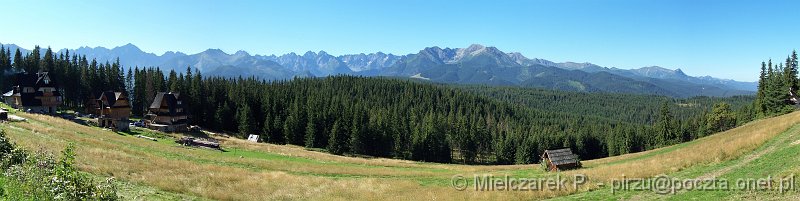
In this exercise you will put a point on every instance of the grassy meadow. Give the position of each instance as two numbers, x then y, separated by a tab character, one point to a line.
164	170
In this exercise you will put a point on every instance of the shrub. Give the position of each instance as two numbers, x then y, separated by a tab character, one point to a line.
41	177
9	153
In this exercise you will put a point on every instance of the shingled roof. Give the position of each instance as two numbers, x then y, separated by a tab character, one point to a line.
561	158
36	80
111	98
43	80
172	100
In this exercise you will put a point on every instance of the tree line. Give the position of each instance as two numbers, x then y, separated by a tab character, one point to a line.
776	85
655	121
405	119
78	77
429	122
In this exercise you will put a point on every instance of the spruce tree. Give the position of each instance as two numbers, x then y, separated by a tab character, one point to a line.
34	59
759	102
337	143
19	64
267	129
129	85
311	133
172	82
358	132
664	127
4	68
292	134
277	131
244	122
49	63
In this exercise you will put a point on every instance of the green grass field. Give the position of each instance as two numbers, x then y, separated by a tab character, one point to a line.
164	170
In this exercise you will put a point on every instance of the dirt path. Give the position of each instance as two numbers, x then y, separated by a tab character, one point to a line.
748	158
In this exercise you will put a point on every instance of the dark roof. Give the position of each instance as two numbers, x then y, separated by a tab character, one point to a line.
112	98
35	80
173	102
44	80
561	156
26	79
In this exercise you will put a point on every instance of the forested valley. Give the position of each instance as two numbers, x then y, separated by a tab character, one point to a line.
416	120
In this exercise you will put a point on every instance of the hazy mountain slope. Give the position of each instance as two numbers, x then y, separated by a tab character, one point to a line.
129	55
372	61
476	64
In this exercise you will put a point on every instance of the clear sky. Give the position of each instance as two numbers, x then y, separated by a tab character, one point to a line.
726	39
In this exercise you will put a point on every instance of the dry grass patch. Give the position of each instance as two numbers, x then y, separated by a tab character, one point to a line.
258	171
224	176
712	149
297	151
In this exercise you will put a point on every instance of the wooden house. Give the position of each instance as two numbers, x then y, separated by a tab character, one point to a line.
560	159
34	92
113	110
167	113
90	105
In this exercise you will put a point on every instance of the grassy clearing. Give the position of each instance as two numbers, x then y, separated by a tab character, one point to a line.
255	171
716	148
777	157
245	171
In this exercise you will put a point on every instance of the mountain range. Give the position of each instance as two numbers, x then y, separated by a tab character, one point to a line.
476	64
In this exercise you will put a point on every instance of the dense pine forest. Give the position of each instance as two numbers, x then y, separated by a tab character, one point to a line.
777	86
415	120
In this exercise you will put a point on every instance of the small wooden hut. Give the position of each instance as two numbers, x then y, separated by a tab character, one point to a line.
560	159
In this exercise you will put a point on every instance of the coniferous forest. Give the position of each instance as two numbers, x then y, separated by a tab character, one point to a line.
777	86
417	120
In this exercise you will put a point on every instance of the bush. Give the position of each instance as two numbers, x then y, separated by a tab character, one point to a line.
41	177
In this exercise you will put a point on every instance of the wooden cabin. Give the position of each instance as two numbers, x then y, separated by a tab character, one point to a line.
90	105
167	113
113	110
34	92
560	159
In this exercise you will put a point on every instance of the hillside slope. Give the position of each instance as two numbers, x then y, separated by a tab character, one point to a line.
776	159
250	171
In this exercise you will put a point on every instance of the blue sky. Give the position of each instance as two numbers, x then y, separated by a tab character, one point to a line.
726	39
